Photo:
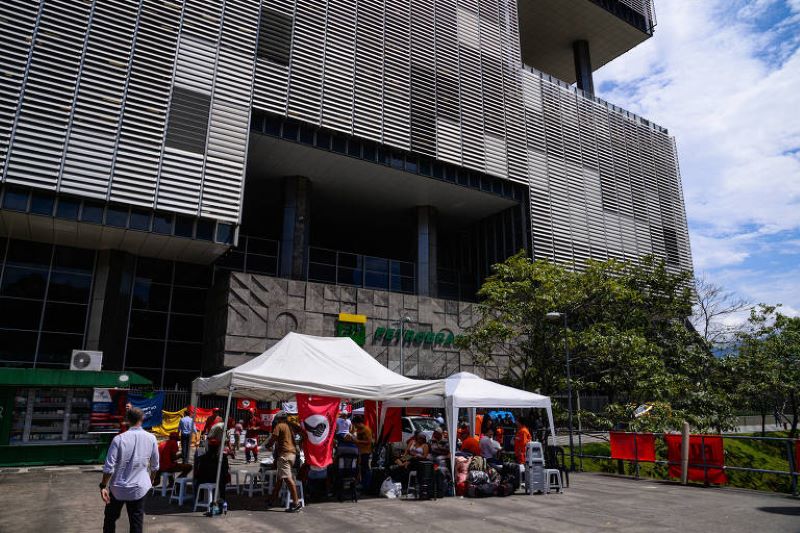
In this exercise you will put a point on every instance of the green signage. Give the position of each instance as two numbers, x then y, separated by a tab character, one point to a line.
443	338
357	332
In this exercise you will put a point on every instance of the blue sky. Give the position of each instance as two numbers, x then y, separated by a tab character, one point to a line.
724	77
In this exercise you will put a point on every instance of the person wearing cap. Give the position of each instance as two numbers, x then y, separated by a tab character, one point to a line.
285	451
186	429
168	458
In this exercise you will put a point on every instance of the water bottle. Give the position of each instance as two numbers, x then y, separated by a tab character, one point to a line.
224	508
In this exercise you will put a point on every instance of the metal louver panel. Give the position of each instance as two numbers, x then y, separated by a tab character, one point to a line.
271	88
18	26
45	111
99	102
369	67
308	56
188	120
275	36
141	134
337	100
397	75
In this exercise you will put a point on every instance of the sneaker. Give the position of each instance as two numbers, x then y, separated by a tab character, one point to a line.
294	508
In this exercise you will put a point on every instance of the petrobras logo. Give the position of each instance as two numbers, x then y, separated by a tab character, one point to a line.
317	428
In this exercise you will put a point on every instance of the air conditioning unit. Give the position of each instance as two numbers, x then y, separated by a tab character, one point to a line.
86	360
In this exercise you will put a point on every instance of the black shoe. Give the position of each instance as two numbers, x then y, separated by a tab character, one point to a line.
294	508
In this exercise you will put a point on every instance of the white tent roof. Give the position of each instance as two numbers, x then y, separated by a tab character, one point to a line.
469	390
326	366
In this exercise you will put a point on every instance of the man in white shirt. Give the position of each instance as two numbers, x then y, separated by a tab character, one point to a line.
343	426
489	446
131	462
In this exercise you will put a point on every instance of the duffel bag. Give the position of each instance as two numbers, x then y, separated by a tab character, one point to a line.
504	489
486	489
476	477
511	473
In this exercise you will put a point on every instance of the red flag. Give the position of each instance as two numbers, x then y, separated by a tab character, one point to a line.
200	417
392	425
708	447
624	447
317	416
265	417
371	410
245	403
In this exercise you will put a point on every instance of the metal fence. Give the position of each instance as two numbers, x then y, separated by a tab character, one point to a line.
787	445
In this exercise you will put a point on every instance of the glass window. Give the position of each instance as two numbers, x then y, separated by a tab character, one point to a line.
438	170
307	135
354	147
29	254
349	276
232	261
42	203
186	328
154	270
290	128
376	264
67	287
92	212
140	220
411	164
323	140
262	264
15	199
339	144
369	151
181	379
402	268
67	208
272	125
184	226
117	217
205	229
225	233
147	325
76	260
145	353
324	273
350	260
64	318
319	255
23	282
56	348
18	346
162	223
20	314
424	166
262	246
397	160
376	280
188	300
150	296
184	355
153	374
192	275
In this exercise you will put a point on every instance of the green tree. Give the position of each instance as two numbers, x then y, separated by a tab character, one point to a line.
627	332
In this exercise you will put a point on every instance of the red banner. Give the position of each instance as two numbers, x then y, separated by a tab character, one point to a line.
245	404
703	449
371	410
633	446
392	425
200	417
317	416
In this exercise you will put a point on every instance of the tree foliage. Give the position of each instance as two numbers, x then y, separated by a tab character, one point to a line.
627	332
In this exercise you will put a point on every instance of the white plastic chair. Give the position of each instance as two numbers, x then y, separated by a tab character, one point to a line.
165	478
286	498
207	490
551	474
180	490
252	484
412	485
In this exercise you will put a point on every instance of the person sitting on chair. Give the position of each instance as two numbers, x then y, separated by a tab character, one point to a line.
417	450
205	468
440	447
490	447
168	458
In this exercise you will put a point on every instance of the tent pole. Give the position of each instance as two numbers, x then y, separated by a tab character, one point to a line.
222	444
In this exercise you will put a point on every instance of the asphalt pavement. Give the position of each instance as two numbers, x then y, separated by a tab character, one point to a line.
67	500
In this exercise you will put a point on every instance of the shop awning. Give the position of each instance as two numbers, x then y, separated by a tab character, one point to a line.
48	377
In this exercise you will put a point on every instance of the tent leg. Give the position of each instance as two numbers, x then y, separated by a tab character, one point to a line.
222	444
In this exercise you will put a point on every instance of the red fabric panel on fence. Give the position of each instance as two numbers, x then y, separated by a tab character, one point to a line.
714	456
624	447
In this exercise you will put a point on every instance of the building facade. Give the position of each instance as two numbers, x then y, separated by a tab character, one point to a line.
183	182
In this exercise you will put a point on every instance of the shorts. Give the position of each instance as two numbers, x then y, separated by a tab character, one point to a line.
285	463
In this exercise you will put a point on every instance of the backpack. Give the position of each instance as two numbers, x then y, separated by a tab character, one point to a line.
477	463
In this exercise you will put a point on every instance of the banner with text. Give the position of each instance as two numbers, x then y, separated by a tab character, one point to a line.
108	409
703	449
151	405
318	419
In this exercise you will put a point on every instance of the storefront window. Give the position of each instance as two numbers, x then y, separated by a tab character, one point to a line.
51	415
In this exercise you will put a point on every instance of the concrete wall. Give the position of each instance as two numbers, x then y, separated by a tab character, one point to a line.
248	313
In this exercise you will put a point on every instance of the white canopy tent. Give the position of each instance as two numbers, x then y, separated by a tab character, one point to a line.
322	366
465	390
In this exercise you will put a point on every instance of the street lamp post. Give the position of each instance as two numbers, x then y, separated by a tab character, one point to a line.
403	321
554	317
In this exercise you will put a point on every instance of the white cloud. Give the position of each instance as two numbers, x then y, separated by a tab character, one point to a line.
725	80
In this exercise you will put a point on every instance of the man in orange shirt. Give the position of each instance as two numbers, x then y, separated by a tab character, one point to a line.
521	440
471	445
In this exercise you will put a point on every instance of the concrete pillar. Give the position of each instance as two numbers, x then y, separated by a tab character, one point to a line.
583	66
296	227
109	307
426	251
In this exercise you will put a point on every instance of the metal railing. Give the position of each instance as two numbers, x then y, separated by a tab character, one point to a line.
790	447
344	268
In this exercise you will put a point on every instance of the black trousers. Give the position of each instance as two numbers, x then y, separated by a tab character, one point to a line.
186	445
135	510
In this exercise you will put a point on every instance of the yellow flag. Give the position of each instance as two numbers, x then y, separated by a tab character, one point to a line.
169	423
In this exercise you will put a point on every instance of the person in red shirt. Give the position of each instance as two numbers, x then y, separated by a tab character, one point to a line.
168	458
471	445
521	440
